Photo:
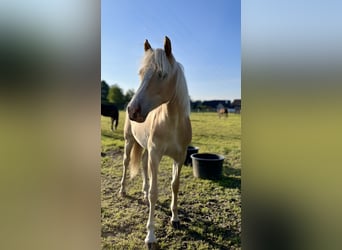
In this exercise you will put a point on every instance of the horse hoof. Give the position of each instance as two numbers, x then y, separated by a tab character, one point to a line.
122	194
175	224
152	246
145	202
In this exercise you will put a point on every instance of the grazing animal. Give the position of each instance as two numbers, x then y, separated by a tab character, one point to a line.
222	111
110	110
157	123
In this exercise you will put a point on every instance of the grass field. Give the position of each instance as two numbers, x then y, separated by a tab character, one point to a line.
210	211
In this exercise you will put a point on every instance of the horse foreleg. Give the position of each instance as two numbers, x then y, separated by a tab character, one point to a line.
153	162
126	159
175	187
144	175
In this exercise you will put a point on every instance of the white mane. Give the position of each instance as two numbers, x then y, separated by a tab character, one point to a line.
159	62
182	89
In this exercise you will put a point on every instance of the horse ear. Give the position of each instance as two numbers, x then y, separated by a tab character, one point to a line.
147	45
167	46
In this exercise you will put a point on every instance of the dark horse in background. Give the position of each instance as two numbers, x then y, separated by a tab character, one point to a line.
110	110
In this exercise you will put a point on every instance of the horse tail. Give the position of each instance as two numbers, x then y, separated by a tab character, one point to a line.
135	159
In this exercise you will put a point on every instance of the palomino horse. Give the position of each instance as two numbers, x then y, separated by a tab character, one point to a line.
222	111
110	110
157	123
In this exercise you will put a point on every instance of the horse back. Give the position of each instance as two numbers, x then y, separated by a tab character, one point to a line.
109	110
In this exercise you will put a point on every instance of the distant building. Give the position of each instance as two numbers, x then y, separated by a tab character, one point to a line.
214	105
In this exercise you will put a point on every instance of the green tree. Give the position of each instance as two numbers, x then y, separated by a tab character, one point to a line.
104	91
116	96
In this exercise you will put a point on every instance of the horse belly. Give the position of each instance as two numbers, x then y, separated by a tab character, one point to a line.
177	144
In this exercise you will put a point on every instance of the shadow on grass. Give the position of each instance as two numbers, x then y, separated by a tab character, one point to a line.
231	178
196	224
229	171
107	133
112	153
195	227
229	182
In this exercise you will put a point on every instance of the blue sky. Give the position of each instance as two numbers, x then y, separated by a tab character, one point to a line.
205	37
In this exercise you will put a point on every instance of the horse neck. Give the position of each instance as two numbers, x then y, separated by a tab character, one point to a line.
179	103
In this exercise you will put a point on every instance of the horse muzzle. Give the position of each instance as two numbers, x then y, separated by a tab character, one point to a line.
134	114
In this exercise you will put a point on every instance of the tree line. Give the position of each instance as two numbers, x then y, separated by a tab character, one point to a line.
115	94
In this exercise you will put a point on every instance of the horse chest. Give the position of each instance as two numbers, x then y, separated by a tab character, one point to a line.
141	135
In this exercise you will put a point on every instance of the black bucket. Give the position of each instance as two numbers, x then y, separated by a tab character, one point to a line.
207	166
191	150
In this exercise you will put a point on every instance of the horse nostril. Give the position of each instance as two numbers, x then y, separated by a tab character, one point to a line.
134	112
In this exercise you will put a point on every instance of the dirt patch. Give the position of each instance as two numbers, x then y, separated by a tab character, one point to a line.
112	153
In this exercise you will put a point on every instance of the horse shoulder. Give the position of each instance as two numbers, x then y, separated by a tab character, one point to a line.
127	128
185	131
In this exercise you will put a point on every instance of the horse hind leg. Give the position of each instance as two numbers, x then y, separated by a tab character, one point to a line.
176	169
132	158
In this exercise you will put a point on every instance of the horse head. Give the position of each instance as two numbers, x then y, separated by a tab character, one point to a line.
157	76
